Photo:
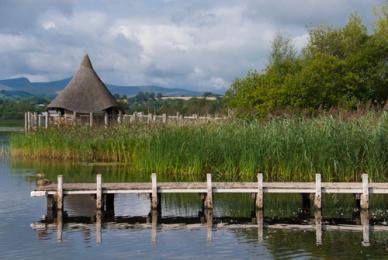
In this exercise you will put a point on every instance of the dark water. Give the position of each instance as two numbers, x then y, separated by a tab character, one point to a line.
182	231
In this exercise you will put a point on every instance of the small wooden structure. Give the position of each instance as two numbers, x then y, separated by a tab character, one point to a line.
85	94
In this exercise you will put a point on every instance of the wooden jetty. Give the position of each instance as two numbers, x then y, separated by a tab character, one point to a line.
104	192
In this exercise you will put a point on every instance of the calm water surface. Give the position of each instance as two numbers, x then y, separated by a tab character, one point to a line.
28	231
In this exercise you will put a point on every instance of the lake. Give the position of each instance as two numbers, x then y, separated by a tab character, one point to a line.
182	231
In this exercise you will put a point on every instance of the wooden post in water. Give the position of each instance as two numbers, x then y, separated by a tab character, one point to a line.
46	120
154	194
59	225
260	193
209	195
318	226
98	226
60	193
50	202
364	216
91	119
74	118
318	192
260	225
106	119
364	202
99	192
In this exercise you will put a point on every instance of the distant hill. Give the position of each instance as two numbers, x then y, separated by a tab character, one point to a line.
23	87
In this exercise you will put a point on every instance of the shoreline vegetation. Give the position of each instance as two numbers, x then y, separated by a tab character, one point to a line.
340	147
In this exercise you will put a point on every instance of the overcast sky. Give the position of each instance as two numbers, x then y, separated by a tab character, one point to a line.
199	45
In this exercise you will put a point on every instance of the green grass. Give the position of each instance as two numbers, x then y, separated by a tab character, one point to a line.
283	149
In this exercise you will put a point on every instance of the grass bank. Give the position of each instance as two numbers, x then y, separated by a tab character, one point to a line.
283	149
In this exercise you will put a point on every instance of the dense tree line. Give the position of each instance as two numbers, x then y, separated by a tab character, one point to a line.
149	102
339	67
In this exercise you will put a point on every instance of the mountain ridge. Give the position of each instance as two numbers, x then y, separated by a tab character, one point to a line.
50	89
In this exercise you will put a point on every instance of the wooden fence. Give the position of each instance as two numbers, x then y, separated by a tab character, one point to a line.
34	121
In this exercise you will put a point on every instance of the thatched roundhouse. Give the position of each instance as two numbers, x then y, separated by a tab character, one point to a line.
85	94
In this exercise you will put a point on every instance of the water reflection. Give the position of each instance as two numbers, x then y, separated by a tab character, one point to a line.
60	221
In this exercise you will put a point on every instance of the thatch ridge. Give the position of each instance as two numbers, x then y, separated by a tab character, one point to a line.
85	93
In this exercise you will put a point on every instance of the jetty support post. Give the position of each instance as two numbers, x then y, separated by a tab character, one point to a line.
155	197
364	201
260	225
209	195
60	193
318	192
364	216
306	201
318	226
99	192
50	202
59	225
98	226
260	193
91	119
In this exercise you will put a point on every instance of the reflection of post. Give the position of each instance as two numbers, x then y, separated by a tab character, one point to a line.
154	219
364	215
260	225
59	225
98	227
209	223
318	226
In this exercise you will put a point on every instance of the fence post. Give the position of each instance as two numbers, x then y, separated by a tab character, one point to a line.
164	118
74	118
106	119
259	195
318	192
120	117
364	203
25	122
46	120
91	119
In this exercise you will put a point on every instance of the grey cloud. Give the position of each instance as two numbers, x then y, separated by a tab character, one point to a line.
21	15
195	44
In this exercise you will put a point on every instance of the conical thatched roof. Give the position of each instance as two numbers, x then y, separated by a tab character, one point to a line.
85	93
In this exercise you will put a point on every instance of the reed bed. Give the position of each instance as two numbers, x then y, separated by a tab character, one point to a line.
291	149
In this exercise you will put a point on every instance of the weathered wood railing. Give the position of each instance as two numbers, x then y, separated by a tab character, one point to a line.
104	191
33	120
